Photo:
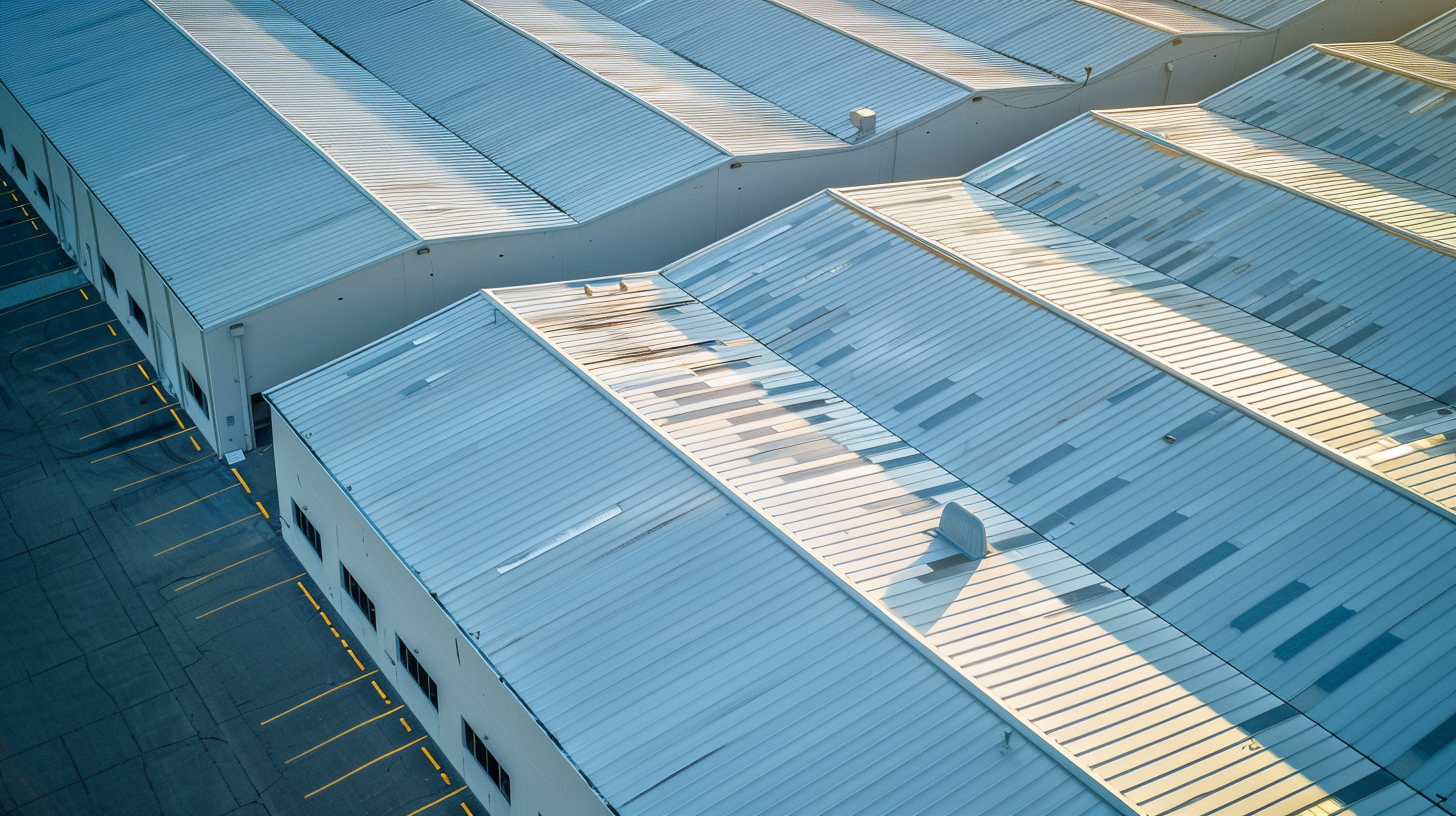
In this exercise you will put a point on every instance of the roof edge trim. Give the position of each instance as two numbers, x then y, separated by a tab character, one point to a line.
1106	118
1339	50
1008	714
277	114
1023	293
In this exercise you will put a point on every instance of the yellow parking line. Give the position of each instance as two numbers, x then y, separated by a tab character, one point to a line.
124	422
204	535
163	473
356	659
111	329
464	808
139	447
67	334
185	506
445	777
85	296
245	597
241	481
309	595
145	375
104	399
406	725
82	354
180	423
382	695
37	300
195	446
430	756
441	799
92	377
317	696
344	733
262	509
362	767
23	240
221	571
158	392
53	317
32	257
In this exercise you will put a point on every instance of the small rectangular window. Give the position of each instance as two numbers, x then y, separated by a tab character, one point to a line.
109	274
137	313
421	677
310	532
2	138
195	391
42	191
361	598
475	744
19	162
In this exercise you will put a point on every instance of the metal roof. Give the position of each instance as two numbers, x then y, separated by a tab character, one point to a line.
1314	580
1395	123
1434	39
812	71
738	121
1060	36
1280	256
969	64
585	145
684	654
232	208
1262	13
1139	702
435	183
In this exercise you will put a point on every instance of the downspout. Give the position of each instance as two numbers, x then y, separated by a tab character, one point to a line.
245	416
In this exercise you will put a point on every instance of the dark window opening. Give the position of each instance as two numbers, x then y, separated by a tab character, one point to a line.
109	274
194	390
42	191
19	162
262	421
361	598
476	746
2	138
309	531
137	313
422	677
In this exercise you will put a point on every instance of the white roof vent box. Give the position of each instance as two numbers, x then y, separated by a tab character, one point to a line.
863	121
964	530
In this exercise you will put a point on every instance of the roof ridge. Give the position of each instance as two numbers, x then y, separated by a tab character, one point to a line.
1044	302
1345	52
880	612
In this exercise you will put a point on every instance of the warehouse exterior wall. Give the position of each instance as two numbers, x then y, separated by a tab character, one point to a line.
542	779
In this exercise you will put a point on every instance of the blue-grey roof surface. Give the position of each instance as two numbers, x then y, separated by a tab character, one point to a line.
232	208
686	657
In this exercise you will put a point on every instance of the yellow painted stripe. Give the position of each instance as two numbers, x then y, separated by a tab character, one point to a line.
241	481
310	597
466	809
104	399
111	329
53	317
67	334
262	509
356	659
185	506
430	756
82	354
445	777
458	790
121	423
163	473
362	767
92	377
194	444
382	696
318	696
406	725
34	302
139	447
84	295
205	535
158	392
182	424
343	733
145	375
245	597
221	571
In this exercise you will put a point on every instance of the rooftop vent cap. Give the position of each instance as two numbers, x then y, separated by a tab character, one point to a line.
964	530
863	121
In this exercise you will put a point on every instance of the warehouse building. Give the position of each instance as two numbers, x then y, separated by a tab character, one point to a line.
258	186
1140	436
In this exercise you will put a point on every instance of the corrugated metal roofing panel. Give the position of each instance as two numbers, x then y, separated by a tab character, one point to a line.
1128	694
1267	14
963	61
229	205
814	72
1300	265
1061	36
740	122
585	145
1237	535
726	673
1409	209
1434	39
1397	58
437	184
1393	123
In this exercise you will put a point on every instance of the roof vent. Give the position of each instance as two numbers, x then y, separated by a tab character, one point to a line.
964	530
863	121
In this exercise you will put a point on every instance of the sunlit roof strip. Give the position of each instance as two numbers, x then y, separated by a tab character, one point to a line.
1396	59
1349	187
1009	283
733	119
968	64
923	645
424	176
1200	21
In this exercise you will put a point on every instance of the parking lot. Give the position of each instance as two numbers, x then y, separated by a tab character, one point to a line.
166	652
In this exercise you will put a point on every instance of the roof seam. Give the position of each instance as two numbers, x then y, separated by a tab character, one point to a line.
277	114
1168	144
1337	50
1030	731
618	88
1032	297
